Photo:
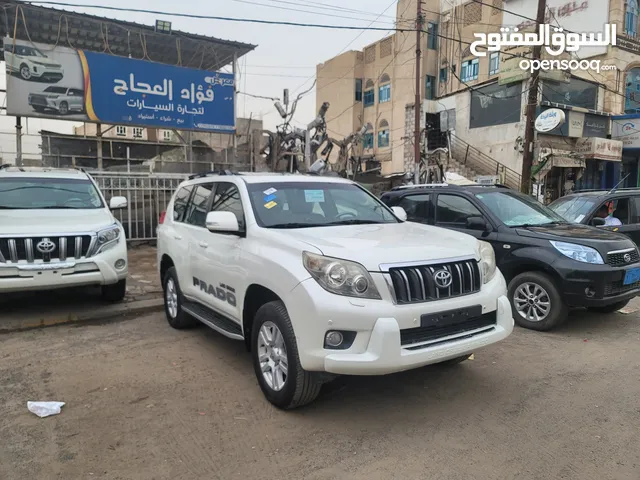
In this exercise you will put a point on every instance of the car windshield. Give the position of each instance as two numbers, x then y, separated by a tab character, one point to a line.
516	210
29	52
50	193
315	204
575	208
56	90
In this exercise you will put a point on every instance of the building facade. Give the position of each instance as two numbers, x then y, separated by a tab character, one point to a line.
481	100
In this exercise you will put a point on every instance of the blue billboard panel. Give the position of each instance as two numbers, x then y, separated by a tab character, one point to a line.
125	91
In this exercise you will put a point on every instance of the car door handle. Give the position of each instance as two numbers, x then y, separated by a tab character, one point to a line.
204	244
178	237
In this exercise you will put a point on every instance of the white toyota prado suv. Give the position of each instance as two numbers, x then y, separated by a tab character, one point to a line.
56	231
319	277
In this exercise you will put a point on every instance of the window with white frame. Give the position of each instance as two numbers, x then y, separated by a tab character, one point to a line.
121	131
137	132
469	70
166	135
494	63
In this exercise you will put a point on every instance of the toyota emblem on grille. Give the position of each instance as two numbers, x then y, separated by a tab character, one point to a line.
46	246
442	278
627	258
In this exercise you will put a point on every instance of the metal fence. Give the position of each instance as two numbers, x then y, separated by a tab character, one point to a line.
148	195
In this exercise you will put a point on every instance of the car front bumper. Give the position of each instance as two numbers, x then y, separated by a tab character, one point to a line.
97	270
379	326
586	285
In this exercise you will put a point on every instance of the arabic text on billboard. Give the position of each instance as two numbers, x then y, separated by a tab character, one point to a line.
79	85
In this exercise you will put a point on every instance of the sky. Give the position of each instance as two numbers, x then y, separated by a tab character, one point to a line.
285	57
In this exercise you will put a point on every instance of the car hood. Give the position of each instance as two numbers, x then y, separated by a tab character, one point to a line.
374	245
48	222
598	238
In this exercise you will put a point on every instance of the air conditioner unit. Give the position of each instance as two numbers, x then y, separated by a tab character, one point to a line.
487	179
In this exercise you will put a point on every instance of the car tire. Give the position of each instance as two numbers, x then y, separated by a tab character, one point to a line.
273	343
114	292
540	289
63	108
173	299
25	72
614	307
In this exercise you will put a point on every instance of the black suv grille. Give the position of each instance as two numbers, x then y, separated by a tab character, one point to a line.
424	334
618	288
26	249
623	258
418	284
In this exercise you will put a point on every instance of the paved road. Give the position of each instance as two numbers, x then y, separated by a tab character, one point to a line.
148	402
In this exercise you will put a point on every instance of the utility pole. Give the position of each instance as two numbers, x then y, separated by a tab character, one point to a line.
532	102
416	133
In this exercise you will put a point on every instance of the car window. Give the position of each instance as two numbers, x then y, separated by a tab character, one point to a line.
227	199
315	204
417	207
180	203
74	91
574	208
197	210
32	193
517	210
636	215
618	209
58	90
453	209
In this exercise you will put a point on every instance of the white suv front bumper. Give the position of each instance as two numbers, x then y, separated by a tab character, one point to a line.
377	348
98	269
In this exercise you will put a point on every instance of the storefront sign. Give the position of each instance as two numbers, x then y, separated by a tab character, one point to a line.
549	119
595	126
627	131
576	124
512	72
600	149
579	124
629	44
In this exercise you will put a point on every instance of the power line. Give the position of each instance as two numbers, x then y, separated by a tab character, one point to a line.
325	6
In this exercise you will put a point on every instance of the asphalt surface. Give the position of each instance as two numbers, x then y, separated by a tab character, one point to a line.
144	401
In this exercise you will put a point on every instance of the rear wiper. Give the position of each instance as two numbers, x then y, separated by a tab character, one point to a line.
355	222
297	225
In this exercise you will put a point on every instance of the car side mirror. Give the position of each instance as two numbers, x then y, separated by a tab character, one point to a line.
477	223
598	222
222	222
117	203
400	213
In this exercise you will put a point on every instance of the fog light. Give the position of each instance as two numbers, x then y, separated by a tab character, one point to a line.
333	339
120	264
589	292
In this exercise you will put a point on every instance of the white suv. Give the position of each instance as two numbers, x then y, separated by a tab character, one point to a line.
56	231
319	277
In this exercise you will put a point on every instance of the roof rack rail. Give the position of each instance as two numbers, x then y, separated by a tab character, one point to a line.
421	185
212	172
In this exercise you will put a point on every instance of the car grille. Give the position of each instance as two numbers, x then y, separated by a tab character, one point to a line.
14	250
412	336
38	100
417	284
618	288
617	259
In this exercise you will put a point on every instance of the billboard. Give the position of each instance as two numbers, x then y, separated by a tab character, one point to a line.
580	16
79	85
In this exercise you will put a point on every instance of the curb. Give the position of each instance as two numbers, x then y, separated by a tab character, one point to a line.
103	313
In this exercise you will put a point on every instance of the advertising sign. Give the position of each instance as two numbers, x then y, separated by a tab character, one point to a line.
549	119
600	148
627	130
67	84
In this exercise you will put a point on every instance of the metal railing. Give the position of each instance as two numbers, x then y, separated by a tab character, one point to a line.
148	195
483	164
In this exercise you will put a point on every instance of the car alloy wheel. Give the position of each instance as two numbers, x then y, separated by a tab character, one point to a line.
25	72
532	302
272	354
171	297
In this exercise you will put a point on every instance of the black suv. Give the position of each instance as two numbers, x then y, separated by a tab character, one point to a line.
602	209
548	263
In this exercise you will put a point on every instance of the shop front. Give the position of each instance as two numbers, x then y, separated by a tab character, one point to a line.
556	173
626	128
603	163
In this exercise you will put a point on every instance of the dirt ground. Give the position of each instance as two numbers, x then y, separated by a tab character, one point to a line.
144	401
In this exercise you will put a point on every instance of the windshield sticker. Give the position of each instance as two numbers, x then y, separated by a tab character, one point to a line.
314	196
479	196
268	198
270	205
580	218
271	191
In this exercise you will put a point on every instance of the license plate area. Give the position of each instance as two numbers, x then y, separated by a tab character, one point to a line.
451	317
632	276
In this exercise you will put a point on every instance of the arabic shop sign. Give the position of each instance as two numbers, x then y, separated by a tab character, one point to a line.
85	86
549	119
627	130
600	149
121	90
579	124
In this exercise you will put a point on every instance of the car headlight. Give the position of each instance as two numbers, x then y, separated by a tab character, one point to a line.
487	261
341	277
108	238
579	252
